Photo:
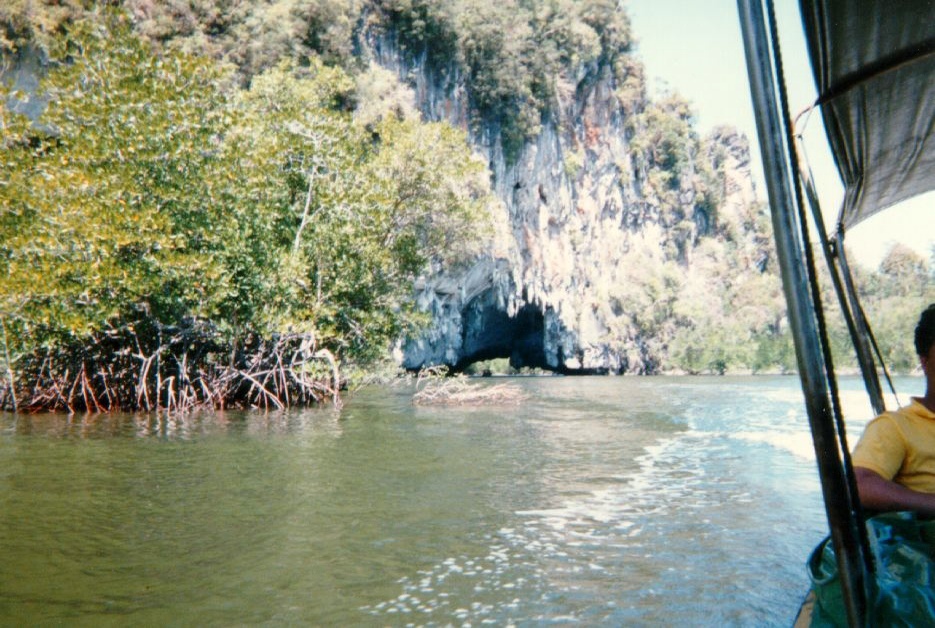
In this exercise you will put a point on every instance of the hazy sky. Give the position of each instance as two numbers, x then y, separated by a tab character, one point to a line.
694	47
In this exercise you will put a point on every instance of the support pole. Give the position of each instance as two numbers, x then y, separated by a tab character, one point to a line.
843	283
801	311
861	332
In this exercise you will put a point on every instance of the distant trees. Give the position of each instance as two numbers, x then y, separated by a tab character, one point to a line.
730	312
734	320
894	296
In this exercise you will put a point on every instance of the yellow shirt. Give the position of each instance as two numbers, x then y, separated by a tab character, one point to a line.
900	446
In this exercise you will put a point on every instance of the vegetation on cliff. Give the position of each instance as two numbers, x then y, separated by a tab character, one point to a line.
510	52
224	200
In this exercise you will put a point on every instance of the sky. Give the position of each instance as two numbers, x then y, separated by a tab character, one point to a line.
694	47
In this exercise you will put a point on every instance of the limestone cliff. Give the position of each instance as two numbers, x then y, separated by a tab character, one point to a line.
585	205
612	214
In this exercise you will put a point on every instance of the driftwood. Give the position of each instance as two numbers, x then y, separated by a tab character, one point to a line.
433	387
147	367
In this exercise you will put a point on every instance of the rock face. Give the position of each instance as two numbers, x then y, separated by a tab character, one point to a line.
579	210
21	75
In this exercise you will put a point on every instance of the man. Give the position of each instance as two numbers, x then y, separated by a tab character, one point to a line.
894	461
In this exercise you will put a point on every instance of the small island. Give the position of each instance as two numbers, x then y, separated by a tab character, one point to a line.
252	209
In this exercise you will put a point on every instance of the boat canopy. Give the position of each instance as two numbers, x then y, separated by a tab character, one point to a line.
874	66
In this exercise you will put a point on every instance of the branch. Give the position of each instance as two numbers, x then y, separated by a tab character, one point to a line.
9	366
270	396
305	213
327	355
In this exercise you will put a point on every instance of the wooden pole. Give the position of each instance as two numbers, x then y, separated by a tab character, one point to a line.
801	311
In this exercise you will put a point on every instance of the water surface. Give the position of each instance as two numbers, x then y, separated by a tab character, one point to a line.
599	501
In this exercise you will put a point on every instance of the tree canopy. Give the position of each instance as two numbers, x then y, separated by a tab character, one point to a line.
156	192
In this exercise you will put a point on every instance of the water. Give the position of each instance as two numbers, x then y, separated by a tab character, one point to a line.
599	501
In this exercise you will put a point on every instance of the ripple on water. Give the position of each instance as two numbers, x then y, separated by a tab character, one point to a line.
562	561
662	502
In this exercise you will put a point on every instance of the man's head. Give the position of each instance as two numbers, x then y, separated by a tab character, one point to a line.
925	347
925	331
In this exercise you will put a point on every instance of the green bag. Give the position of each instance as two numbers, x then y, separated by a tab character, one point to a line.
904	554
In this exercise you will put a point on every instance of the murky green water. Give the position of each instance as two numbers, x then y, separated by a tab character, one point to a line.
599	501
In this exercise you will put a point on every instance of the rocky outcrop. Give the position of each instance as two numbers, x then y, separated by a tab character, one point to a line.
580	213
589	209
20	73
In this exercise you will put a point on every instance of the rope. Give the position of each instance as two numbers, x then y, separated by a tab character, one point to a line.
841	280
858	311
876	349
816	296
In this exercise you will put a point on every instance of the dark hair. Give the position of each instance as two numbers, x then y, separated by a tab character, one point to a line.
925	331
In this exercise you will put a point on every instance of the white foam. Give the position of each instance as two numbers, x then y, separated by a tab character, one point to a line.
799	444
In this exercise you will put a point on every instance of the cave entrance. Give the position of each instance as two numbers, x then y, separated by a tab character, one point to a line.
489	333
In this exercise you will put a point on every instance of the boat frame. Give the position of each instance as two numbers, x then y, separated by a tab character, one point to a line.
784	184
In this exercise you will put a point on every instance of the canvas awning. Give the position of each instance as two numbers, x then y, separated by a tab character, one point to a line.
874	65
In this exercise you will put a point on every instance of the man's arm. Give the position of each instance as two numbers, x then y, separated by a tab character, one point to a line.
878	493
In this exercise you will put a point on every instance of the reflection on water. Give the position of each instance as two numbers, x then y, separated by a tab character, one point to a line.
613	501
168	426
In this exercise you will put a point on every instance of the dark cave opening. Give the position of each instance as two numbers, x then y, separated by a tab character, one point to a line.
490	333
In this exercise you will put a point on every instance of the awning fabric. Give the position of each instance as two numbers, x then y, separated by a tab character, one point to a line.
874	65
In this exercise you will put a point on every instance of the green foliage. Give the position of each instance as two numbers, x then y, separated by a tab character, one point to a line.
728	313
514	52
424	26
105	209
164	194
496	45
730	321
36	22
728	316
664	147
511	52
366	211
893	298
678	173
497	366
254	36
904	272
379	94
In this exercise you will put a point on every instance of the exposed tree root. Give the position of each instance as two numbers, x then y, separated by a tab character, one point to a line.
147	367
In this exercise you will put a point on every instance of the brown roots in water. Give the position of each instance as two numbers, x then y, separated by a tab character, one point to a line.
147	367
